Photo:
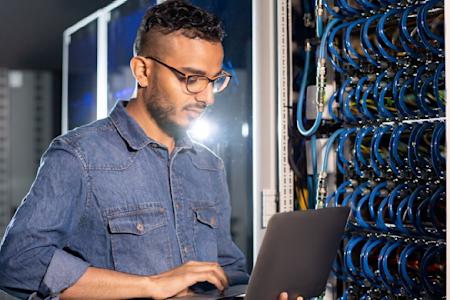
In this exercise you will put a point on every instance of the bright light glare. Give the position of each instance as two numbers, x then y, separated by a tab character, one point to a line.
201	130
245	130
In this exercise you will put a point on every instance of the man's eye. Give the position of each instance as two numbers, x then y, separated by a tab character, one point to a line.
194	79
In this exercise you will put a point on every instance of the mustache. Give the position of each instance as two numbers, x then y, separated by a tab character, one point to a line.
197	106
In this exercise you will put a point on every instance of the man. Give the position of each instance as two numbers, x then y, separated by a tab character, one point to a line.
129	206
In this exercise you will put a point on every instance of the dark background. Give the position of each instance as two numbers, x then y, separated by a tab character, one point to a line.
31	32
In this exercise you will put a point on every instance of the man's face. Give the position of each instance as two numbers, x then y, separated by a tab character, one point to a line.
166	97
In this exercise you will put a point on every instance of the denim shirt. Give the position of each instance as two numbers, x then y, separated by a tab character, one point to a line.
108	196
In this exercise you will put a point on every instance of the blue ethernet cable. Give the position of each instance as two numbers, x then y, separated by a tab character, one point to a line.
418	80
374	146
321	181
437	75
330	107
397	82
382	110
423	14
380	222
380	29
418	77
403	108
342	90
348	257
376	191
411	151
326	151
349	10
386	276
394	195
359	87
347	112
438	195
336	60
395	160
370	248
424	103
412	285
348	46
340	148
413	53
348	201
377	84
413	201
358	143
331	11
400	216
382	38
346	186
421	214
437	160
360	190
356	166
433	289
422	24
340	190
367	5
347	293
365	42
365	108
404	26
320	85
358	212
422	161
301	97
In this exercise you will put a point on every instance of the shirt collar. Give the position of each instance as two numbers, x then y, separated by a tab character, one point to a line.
134	135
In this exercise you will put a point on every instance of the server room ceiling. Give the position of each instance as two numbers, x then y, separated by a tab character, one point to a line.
31	31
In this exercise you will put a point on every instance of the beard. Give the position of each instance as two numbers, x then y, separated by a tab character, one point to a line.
163	112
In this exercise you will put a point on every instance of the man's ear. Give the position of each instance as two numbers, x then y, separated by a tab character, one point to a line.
140	69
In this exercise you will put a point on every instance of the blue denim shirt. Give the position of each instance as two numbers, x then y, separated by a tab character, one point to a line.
108	196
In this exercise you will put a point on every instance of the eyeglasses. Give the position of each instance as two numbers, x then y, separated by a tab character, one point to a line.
197	83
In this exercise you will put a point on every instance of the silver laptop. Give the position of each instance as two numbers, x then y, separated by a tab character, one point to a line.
296	256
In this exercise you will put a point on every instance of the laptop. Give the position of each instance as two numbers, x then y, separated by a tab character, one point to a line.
296	256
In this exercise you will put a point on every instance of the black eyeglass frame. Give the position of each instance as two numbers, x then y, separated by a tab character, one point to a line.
187	77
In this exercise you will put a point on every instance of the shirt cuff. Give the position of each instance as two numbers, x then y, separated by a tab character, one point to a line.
62	272
236	277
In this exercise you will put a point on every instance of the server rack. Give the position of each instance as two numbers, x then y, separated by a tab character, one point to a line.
386	122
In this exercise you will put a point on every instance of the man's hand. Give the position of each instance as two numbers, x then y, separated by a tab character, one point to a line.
177	281
284	296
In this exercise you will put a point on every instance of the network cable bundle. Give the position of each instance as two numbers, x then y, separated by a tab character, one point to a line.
379	100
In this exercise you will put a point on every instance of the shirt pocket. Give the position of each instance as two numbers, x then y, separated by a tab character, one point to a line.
205	232
140	240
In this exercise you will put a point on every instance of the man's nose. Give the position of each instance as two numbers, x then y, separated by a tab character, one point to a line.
207	95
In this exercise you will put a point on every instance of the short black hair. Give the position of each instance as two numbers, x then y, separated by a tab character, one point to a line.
174	15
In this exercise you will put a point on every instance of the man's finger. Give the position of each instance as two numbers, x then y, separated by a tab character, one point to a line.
210	276
196	267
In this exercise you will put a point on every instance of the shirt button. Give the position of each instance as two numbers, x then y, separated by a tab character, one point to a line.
185	249
140	227
213	221
177	206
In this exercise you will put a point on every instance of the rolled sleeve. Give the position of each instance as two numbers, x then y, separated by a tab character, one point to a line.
62	272
32	259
